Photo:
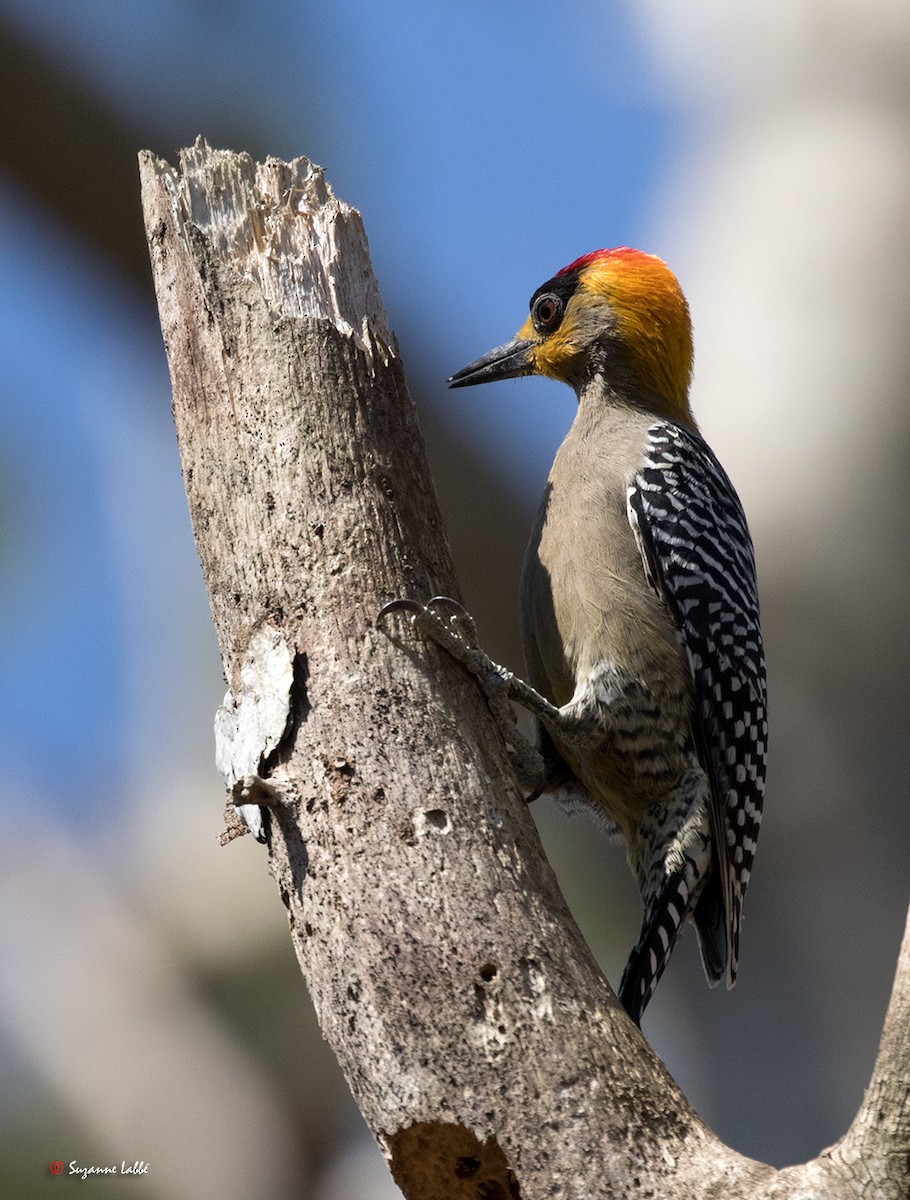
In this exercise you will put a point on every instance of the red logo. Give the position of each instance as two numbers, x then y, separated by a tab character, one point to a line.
57	1167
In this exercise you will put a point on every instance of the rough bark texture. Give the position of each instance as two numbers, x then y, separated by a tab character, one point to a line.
478	1036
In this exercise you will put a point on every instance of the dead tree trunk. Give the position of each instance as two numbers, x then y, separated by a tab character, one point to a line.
478	1036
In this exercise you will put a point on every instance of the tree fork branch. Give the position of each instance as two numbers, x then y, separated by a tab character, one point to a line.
479	1038
876	1147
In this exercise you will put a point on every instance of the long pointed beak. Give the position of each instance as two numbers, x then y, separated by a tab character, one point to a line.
505	362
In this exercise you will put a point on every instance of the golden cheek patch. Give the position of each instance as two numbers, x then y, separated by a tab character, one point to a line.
556	354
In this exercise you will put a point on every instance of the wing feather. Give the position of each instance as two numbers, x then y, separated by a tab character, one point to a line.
697	554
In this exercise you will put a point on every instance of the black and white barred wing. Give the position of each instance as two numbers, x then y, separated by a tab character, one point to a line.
697	553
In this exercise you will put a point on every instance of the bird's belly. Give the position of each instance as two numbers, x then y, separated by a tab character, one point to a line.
639	754
598	638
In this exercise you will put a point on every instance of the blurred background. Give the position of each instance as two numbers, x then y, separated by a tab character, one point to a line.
150	1005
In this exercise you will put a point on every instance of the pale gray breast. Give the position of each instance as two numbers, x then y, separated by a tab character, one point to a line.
586	602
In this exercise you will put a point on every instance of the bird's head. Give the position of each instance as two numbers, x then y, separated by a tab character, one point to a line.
614	315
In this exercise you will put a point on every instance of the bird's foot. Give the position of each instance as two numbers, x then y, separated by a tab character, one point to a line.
447	623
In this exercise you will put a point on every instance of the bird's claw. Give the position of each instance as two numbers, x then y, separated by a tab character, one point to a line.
446	622
448	612
459	620
451	626
400	605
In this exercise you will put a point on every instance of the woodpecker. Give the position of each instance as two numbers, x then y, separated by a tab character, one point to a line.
639	609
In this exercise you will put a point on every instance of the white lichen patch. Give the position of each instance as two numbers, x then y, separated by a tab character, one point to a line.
252	720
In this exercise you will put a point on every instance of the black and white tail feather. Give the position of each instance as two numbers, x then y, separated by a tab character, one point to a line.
674	869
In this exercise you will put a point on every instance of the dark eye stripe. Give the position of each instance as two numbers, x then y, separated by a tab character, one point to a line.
562	286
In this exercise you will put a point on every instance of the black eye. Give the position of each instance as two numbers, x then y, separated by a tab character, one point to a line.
546	312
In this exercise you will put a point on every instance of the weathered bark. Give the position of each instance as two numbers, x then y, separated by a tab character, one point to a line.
480	1040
